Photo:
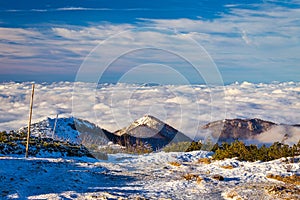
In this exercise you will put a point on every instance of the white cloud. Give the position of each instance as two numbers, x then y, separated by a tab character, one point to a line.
115	106
18	34
77	8
245	37
279	134
101	9
178	100
268	34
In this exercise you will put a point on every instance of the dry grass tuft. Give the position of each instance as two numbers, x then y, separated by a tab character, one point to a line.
189	177
227	167
293	179
233	195
193	177
289	192
174	163
204	160
199	180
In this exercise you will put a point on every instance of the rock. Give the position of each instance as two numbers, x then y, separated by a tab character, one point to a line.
218	177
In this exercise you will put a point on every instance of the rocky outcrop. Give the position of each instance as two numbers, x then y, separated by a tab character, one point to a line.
233	129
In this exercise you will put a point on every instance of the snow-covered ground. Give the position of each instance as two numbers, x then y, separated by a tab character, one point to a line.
150	176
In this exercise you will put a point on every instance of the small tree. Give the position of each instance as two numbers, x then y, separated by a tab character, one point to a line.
208	144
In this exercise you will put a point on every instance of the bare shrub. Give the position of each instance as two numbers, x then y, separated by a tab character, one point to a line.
293	179
174	163
227	167
189	176
204	160
233	195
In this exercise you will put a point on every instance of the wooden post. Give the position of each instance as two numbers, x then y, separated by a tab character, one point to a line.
29	122
54	128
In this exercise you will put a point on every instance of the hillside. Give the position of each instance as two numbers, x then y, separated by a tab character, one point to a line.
150	130
71	130
13	143
149	133
252	129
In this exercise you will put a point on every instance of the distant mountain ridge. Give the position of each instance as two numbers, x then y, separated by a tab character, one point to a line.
150	131
244	129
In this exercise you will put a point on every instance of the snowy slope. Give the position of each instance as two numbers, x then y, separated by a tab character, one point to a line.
149	176
66	129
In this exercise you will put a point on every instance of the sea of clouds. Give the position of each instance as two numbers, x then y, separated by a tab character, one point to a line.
185	107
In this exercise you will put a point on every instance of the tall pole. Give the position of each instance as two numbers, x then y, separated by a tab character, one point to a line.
54	128
29	121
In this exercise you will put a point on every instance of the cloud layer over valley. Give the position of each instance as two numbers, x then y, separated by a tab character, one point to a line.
184	107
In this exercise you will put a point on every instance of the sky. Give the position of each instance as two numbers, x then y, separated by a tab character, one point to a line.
170	41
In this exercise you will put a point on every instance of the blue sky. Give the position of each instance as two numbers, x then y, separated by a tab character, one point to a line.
255	41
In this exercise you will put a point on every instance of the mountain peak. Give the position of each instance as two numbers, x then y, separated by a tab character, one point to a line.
152	131
148	120
148	117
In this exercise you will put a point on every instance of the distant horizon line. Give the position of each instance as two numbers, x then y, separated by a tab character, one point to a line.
153	83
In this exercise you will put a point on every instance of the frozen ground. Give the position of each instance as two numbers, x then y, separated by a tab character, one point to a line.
148	176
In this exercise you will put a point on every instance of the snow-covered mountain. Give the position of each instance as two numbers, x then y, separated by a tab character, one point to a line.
152	131
70	129
148	130
150	127
157	134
